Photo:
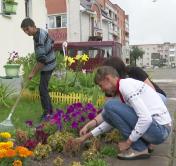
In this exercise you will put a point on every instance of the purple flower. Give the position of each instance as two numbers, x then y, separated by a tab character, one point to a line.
66	117
78	105
75	125
29	123
82	119
57	118
91	115
70	109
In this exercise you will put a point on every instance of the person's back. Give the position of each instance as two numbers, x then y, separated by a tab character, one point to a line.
139	74
137	91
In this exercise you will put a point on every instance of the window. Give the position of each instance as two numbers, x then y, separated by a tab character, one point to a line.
172	59
57	21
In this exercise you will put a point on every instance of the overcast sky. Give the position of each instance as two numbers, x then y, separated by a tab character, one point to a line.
150	22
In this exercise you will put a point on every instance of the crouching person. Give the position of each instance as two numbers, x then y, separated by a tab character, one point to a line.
141	117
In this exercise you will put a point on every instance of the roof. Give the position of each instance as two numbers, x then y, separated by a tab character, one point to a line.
87	44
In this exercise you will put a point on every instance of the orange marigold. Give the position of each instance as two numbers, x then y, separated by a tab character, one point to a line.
2	153
10	153
23	152
17	163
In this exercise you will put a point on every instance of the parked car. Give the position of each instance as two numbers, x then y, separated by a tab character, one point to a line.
97	51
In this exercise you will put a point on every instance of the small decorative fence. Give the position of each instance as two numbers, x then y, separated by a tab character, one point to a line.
58	97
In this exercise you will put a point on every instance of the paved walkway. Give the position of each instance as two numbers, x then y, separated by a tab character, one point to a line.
164	154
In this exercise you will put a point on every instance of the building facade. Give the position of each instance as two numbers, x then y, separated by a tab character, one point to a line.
84	20
12	37
158	55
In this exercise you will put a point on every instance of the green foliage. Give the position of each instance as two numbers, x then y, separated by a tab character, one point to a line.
9	1
109	150
60	61
5	93
49	128
69	82
113	136
28	62
135	54
96	162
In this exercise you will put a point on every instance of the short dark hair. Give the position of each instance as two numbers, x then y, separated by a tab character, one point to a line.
118	64
103	71
27	22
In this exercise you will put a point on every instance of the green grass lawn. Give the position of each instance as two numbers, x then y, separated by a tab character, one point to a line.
25	110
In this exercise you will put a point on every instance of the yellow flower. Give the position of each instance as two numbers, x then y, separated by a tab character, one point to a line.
78	57
17	163
70	60
6	145
66	58
5	135
84	58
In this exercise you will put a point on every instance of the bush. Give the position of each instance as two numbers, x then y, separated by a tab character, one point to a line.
108	150
96	162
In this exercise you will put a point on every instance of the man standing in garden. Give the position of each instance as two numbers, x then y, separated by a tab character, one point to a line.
45	58
141	117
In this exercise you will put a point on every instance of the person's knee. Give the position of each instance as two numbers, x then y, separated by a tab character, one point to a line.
108	109
113	105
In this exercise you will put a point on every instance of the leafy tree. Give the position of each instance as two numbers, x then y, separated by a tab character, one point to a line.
135	54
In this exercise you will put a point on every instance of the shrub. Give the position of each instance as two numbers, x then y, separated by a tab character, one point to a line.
109	151
58	161
58	140
42	151
96	162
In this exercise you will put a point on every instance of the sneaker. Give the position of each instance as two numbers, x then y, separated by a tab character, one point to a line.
131	154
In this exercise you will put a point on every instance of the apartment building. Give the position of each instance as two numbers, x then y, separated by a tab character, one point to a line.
84	20
123	27
158	55
12	37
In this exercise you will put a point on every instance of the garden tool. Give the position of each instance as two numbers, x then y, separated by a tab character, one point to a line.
7	123
64	48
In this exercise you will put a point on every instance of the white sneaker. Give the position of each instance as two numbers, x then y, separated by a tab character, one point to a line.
132	154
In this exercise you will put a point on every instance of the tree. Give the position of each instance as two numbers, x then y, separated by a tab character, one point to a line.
135	54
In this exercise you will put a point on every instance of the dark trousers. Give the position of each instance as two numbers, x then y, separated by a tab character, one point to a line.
44	93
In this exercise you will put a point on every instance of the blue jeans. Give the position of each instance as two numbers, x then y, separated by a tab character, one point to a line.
124	118
164	98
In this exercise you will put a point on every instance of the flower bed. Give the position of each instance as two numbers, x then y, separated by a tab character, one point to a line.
53	140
